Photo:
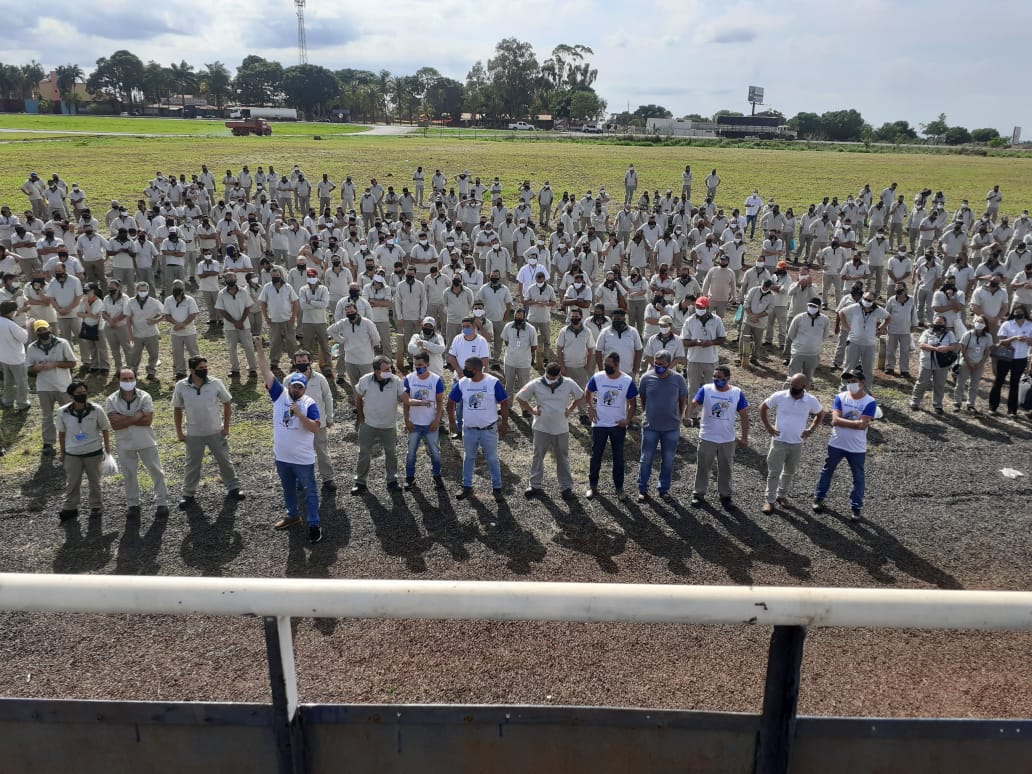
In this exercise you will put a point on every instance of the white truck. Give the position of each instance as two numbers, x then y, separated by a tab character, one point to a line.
521	126
268	113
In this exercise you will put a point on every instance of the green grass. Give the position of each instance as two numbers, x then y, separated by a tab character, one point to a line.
171	126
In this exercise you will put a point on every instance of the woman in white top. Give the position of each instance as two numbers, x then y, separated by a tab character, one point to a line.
1016	333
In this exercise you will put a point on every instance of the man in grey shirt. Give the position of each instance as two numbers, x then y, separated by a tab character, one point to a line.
555	398
377	396
664	399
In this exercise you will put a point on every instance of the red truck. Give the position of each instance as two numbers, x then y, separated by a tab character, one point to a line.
241	127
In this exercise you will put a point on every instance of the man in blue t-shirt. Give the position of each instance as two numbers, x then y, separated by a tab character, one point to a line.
851	415
295	422
482	397
720	402
612	400
664	400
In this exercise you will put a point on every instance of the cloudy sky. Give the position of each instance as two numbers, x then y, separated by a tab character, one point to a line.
891	59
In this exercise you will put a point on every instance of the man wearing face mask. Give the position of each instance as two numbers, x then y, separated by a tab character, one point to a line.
66	294
620	338
84	433
482	399
521	343
144	313
793	408
130	411
13	338
757	308
358	338
180	311
207	406
720	402
852	412
51	359
313	301
539	300
423	407
701	335
975	346
863	323
428	341
457	303
664	403
807	333
377	396
497	300
279	304
554	399
902	311
665	339
611	401
409	306
935	342
719	287
234	303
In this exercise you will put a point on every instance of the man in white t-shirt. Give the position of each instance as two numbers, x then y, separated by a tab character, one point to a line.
720	402
483	399
611	402
792	408
295	423
423	407
851	415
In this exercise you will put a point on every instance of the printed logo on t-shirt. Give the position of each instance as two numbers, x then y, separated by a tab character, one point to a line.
610	397
475	400
719	408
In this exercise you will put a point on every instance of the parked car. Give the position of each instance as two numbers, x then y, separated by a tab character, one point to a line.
521	126
591	129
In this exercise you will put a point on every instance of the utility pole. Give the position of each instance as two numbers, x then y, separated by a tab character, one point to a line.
302	44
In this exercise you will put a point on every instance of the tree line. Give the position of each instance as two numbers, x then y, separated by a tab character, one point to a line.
512	84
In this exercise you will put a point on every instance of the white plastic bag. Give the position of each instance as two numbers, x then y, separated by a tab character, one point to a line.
109	467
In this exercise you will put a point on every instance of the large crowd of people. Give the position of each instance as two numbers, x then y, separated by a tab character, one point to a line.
561	304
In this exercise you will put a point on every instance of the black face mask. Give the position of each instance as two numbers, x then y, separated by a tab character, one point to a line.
80	399
277	280
467	373
201	373
575	322
795	392
301	367
60	276
353	294
610	370
43	336
352	316
428	332
619	325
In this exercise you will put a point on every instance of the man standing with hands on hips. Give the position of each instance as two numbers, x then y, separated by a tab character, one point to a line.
295	422
720	402
482	397
792	407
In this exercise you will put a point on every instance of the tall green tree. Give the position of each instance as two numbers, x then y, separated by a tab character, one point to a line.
10	81
216	81
844	125
68	77
984	135
513	72
585	105
481	98
935	130
444	97
356	92
184	78
310	88
646	112
807	126
157	86
117	78
32	74
258	81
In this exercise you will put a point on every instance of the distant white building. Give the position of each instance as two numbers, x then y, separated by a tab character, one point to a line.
671	127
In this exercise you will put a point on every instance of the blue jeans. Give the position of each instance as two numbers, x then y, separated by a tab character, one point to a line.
667	441
487	440
856	465
433	447
293	476
750	223
615	436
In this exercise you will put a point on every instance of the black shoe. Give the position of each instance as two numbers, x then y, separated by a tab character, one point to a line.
498	496
567	494
341	381
938	410
857	514
905	374
890	371
409	483
48	450
68	515
329	486
188	501
161	512
697	499
818	506
236	494
314	534
531	492
727	502
643	497
393	486
456	436
252	374
234	374
96	513
438	482
956	408
465	493
358	489
133	512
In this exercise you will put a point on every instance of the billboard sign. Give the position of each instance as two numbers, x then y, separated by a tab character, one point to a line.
756	94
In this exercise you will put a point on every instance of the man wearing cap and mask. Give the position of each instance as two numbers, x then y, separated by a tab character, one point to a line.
428	341
409	306
65	292
234	303
521	343
807	333
852	412
619	337
550	400
181	311
295	423
313	301
702	334
757	308
173	253
51	359
279	304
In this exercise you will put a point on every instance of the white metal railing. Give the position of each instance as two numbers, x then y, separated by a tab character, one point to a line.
519	601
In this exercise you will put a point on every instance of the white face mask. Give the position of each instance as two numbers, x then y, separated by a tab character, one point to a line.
313	280
541	283
532	261
866	304
979	327
760	265
143	293
664	329
812	309
127	386
854	388
551	381
578	285
478	312
701	312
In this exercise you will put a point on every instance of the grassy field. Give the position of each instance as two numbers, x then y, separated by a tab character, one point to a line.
795	178
171	126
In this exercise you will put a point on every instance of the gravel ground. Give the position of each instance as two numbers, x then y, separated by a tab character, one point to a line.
939	515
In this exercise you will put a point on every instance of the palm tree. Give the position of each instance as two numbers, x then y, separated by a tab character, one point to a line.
184	77
383	91
217	81
67	77
32	74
